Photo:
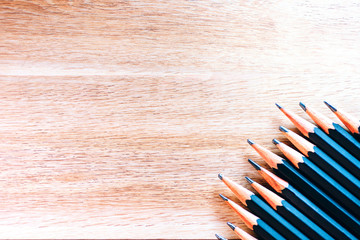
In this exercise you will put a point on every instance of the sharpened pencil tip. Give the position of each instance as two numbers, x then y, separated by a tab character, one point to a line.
280	107
283	129
254	164
232	226
251	142
275	141
249	180
302	106
220	176
332	108
223	197
220	237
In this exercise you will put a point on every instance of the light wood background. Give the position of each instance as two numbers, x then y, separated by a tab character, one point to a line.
117	116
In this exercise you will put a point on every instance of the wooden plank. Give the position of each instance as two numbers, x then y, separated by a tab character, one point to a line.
116	118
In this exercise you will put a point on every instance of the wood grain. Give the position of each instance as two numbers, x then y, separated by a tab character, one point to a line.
117	116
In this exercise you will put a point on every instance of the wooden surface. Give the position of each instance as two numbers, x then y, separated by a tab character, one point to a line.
116	117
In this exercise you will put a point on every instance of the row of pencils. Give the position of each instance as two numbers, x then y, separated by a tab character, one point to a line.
317	185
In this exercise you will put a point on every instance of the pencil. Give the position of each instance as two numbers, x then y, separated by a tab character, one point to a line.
307	207
326	163
289	212
261	228
220	237
323	141
282	167
241	233
335	131
323	180
308	188
261	209
349	121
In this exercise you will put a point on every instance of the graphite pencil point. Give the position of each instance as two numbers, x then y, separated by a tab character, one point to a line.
220	176
223	197
283	129
302	106
278	106
251	142
275	141
232	226
254	164
249	180
220	237
332	108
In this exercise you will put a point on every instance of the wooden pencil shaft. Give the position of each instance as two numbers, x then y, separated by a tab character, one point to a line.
357	135
252	221
324	161
295	178
313	192
333	169
330	186
302	222
334	150
334	131
312	211
303	203
324	182
345	139
266	232
318	196
290	213
261	209
317	136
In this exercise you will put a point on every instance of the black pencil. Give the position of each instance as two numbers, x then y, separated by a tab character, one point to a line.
323	141
261	209
349	121
317	195
270	158
335	131
326	163
281	166
307	207
241	233
323	180
288	211
261	228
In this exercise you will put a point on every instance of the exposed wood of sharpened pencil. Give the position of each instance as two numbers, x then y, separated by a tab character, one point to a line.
304	126
260	227
328	184
308	188
271	158
323	141
330	146
241	233
261	209
335	131
305	205
349	121
289	212
324	161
